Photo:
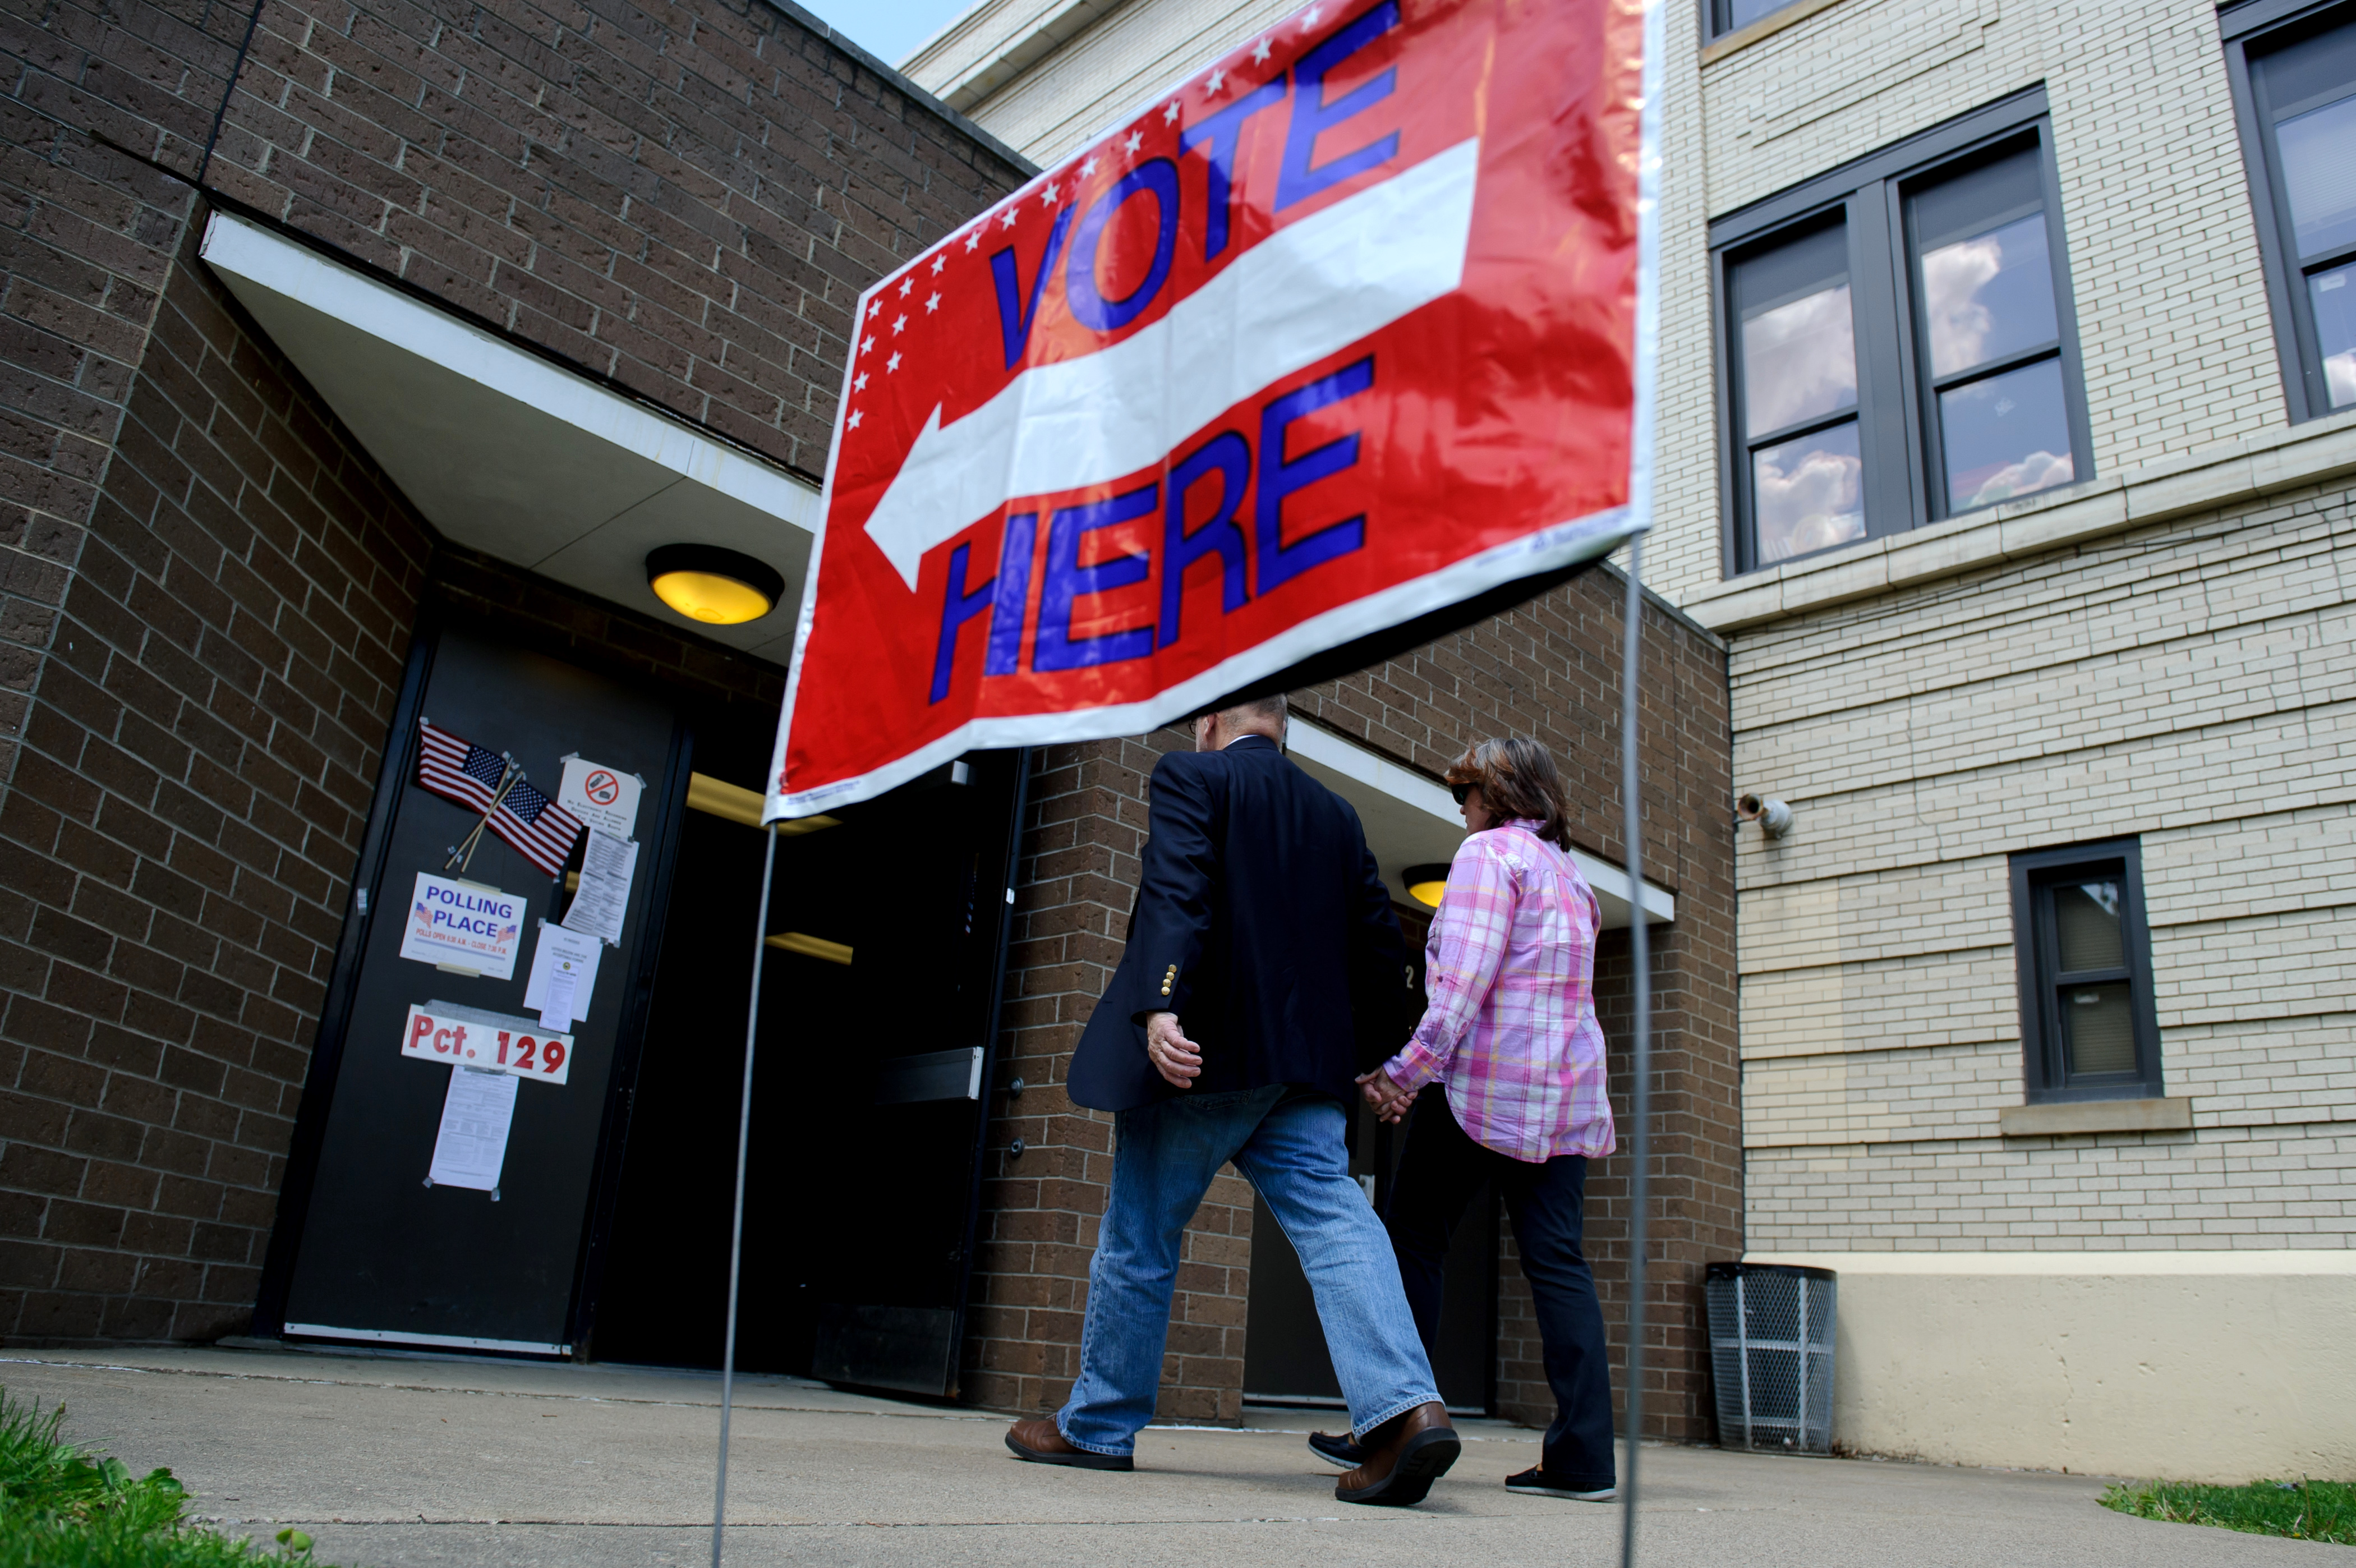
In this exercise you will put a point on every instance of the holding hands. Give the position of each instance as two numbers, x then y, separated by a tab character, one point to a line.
1390	1101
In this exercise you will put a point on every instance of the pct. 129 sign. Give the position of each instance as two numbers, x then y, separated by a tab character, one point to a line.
1334	334
461	1036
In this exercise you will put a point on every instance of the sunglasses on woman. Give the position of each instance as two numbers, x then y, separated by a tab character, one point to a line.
1462	791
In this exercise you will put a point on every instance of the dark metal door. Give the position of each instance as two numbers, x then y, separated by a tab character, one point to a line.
374	1252
871	1093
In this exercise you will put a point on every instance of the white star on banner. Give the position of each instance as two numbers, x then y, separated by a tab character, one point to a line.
859	382
1089	168
905	284
1136	140
1049	196
868	344
1309	18
938	263
1259	52
891	365
852	424
1170	112
1008	220
899	325
875	310
1219	80
933	303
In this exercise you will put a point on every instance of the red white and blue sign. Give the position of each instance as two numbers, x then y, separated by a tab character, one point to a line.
1349	328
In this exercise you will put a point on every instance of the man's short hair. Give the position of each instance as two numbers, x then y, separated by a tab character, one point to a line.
1271	710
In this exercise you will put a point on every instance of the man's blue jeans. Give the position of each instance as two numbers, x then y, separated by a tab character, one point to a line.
1164	1156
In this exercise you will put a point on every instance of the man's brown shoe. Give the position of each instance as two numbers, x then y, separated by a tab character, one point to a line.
1042	1441
1403	1457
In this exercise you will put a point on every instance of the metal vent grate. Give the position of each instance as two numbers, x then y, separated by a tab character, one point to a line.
1770	1340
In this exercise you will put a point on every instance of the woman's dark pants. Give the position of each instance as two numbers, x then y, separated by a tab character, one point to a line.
1439	1171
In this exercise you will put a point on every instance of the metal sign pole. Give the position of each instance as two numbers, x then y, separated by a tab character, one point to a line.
1640	1108
737	1226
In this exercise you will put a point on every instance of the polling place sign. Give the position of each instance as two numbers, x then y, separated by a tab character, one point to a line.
1338	333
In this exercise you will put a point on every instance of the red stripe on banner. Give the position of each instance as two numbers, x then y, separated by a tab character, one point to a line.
1335	339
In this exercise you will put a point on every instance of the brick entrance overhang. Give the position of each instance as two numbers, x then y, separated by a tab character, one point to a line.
506	453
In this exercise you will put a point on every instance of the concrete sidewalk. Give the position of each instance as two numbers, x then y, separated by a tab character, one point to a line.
393	1462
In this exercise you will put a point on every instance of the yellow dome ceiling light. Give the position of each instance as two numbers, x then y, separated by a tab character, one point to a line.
1425	884
716	587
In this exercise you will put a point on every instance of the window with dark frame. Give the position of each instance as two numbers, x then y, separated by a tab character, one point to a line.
2088	1027
1732	15
1898	342
2293	68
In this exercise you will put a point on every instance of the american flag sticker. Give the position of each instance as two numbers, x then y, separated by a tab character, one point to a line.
542	831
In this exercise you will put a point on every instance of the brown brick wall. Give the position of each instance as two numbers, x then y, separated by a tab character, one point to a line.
187	809
206	590
685	200
1549	669
182	822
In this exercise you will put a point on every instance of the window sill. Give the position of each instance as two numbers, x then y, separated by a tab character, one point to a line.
2095	1116
1764	27
2312	453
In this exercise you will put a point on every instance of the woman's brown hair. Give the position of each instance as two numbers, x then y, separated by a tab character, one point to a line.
1517	780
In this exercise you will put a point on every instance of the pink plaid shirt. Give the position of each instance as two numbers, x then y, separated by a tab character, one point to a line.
1510	1032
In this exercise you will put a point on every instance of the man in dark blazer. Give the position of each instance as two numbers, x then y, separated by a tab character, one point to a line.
1262	949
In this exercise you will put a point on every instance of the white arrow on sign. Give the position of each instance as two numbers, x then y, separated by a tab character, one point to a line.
1304	292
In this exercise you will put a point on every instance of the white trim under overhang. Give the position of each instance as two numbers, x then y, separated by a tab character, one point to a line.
1411	820
508	454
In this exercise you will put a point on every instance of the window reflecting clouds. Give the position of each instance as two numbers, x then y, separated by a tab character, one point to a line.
1799	361
2333	294
1988	296
1808	494
2005	435
1898	341
2318	158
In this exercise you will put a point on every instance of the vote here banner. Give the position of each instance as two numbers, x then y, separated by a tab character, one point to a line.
1333	344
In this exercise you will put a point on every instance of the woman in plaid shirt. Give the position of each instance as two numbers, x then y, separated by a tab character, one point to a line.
1510	1037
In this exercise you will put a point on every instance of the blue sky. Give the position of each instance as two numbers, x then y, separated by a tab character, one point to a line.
887	29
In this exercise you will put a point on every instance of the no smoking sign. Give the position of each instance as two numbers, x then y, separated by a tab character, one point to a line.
601	795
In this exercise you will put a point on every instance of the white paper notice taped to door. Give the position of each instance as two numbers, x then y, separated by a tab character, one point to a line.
600	796
476	1115
607	867
463	925
564	961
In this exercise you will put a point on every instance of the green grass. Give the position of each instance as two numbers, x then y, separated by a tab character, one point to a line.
2304	1510
63	1507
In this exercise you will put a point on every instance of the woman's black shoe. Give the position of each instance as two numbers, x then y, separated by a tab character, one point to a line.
1343	1450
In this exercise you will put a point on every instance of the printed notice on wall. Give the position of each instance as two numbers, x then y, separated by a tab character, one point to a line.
464	926
607	866
476	1117
563	973
600	796
488	1042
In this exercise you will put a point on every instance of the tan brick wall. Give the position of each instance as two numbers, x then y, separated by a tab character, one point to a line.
2186	682
1112	64
2172	317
